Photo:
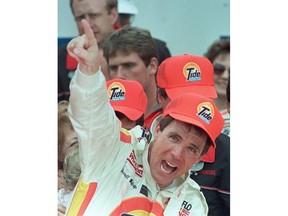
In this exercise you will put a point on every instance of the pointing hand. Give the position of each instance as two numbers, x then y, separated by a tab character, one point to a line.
84	49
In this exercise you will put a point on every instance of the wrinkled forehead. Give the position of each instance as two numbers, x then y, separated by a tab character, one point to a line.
185	128
81	7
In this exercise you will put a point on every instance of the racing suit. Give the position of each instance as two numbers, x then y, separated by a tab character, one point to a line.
116	177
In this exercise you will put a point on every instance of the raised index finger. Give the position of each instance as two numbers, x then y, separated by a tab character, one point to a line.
88	31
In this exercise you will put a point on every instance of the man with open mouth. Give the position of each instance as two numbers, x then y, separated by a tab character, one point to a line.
121	173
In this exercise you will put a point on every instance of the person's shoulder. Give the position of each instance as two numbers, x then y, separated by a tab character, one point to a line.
159	41
223	146
62	46
222	139
163	50
195	197
62	49
192	185
162	47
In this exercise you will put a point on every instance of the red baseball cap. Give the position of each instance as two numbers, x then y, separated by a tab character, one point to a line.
197	110
127	97
186	73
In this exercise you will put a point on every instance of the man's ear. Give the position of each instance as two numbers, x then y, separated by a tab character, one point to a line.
114	15
153	66
156	131
163	102
160	99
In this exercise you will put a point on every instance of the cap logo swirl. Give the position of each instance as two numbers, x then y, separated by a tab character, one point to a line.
192	72
116	91
205	111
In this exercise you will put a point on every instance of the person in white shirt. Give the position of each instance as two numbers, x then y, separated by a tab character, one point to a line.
119	176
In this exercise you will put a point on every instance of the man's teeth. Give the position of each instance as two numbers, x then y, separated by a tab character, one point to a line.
166	171
167	167
170	164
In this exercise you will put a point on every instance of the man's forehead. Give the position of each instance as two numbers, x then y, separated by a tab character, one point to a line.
124	57
89	6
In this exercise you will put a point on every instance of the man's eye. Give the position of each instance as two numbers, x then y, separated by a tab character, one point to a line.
129	65
94	16
113	68
174	138
191	149
79	18
74	143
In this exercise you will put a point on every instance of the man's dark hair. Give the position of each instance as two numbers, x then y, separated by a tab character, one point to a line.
130	39
139	121
216	48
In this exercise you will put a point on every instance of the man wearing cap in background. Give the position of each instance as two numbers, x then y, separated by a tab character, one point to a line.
195	74
116	177
128	100
180	74
131	54
127	11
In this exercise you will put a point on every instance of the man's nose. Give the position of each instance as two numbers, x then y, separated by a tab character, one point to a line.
121	72
177	152
88	18
226	73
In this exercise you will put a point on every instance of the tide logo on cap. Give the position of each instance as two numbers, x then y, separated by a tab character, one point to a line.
205	111
116	91
192	72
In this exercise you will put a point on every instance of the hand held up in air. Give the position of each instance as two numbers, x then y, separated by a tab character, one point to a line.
84	49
